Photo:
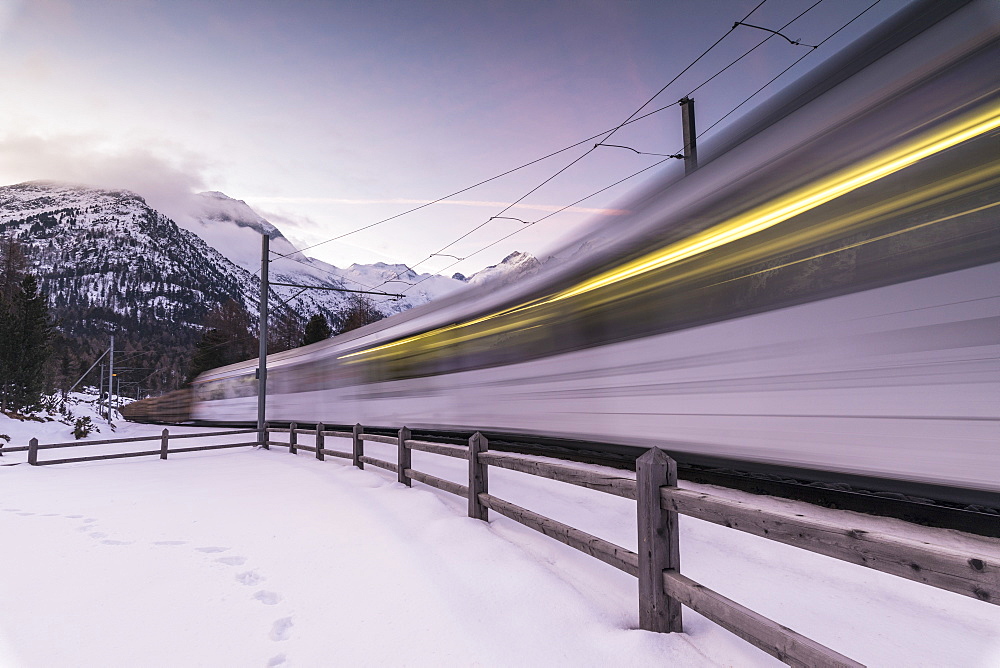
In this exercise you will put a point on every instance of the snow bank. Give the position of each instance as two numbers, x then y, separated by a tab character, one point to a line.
253	557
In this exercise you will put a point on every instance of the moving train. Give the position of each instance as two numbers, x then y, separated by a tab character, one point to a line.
823	292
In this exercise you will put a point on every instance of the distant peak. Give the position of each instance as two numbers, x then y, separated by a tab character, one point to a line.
69	191
215	194
513	257
218	206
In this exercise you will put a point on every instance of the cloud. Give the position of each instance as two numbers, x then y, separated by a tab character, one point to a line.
165	175
449	202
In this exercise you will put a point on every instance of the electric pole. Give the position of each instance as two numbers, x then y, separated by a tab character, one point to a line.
690	136
265	287
262	361
111	375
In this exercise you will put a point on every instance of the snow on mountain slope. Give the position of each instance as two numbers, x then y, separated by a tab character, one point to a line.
512	268
108	260
111	263
235	229
107	253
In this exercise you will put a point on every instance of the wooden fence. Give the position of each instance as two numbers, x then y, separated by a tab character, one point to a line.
663	590
662	587
164	439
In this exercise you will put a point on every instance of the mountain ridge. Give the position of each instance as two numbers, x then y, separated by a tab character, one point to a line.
112	263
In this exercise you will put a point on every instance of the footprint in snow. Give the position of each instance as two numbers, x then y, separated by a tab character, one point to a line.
26	513
267	597
50	515
250	578
232	561
11	510
90	519
98	535
280	629
211	549
275	661
116	542
73	517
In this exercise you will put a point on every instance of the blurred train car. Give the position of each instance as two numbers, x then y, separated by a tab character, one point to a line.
823	292
170	408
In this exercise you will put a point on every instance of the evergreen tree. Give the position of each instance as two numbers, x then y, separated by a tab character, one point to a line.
317	329
227	339
209	353
233	321
26	332
284	331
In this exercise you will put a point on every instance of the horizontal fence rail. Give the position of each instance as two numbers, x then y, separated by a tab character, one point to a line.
164	438
779	641
619	485
607	552
378	438
445	449
958	572
662	588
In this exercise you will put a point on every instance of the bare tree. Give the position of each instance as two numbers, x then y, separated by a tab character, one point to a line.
360	311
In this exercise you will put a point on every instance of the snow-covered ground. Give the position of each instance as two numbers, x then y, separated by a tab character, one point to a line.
259	558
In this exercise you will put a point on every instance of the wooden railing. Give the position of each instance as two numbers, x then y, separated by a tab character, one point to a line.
164	439
662	587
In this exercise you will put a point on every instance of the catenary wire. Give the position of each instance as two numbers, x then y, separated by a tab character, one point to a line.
603	139
702	133
606	135
782	72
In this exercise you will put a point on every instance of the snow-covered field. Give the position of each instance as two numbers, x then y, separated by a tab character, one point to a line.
259	558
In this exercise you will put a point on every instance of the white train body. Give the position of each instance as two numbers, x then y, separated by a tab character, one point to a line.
824	292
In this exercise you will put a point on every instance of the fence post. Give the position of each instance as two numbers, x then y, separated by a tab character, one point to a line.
265	436
404	457
33	452
358	446
320	442
164	443
478	477
293	439
659	549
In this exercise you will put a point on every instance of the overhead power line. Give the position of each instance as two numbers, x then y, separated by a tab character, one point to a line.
753	48
533	223
775	32
702	133
796	62
468	188
678	156
604	137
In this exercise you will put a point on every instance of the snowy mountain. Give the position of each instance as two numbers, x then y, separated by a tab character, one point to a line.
512	268
112	263
234	228
110	254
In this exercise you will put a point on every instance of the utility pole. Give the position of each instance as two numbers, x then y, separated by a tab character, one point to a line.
262	361
690	136
265	287
100	390
111	375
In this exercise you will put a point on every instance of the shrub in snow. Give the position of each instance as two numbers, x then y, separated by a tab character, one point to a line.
83	427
